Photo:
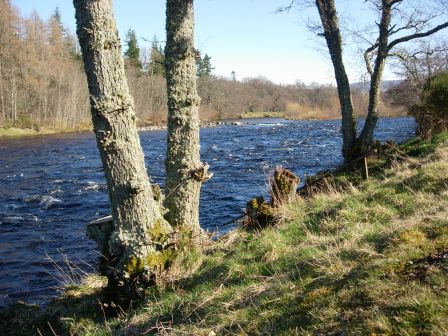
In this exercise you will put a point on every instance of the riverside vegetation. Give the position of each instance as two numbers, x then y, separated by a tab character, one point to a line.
43	87
357	257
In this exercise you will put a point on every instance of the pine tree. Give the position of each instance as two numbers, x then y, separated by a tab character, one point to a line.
56	17
204	67
157	61
132	52
57	32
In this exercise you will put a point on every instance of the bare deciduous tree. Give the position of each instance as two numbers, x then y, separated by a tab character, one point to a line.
400	21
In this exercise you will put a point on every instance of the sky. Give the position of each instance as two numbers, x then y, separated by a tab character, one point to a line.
245	36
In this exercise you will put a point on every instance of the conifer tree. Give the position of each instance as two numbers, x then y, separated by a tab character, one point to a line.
204	67
157	61
132	52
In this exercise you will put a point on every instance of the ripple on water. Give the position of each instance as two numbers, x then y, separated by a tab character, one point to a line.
46	201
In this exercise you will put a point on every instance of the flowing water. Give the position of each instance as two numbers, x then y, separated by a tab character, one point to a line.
52	186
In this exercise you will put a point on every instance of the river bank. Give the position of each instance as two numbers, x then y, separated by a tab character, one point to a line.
15	132
360	257
245	119
52	186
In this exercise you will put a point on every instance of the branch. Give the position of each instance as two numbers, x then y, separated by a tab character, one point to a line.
367	57
417	35
367	61
395	2
286	8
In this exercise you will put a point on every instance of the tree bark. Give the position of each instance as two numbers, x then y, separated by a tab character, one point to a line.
183	165
365	139
138	245
330	24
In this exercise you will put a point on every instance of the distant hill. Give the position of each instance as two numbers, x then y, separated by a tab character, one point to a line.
385	85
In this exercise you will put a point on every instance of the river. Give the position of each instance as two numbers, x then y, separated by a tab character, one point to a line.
52	186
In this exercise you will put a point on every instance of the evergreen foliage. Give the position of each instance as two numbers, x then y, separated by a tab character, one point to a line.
204	67
157	60
432	114
57	17
435	94
132	52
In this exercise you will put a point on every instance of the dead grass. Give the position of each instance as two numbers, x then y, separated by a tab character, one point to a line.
368	260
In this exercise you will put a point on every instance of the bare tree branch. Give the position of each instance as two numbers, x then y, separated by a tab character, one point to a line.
417	35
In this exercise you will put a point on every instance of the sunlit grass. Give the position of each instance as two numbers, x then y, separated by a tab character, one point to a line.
254	115
370	259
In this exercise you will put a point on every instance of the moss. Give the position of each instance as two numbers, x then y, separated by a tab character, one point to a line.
154	261
413	237
357	262
283	186
260	213
157	193
159	231
255	202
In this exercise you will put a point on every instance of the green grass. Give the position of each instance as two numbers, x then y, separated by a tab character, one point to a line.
13	132
366	260
253	115
17	132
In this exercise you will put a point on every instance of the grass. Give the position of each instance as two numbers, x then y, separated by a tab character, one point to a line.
371	259
15	132
254	115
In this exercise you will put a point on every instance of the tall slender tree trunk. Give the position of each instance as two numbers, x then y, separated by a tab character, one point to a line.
330	23
183	166
139	242
366	137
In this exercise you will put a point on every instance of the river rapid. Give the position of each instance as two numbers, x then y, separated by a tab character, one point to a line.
52	186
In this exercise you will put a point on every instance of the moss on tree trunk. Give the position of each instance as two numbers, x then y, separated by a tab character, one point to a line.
135	251
183	166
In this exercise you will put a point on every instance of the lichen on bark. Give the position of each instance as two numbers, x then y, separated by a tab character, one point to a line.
135	212
183	159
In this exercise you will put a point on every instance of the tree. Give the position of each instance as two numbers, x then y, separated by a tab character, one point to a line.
398	24
138	243
204	67
132	52
184	170
432	114
415	66
157	59
57	18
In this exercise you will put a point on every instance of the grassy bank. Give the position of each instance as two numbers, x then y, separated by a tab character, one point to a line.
370	258
15	132
255	115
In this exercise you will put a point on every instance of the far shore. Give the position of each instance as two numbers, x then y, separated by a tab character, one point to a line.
17	132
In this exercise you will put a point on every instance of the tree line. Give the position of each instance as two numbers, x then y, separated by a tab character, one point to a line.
42	81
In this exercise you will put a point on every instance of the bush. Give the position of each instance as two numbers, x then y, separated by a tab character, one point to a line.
432	114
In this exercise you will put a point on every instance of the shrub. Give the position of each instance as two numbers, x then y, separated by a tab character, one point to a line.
432	114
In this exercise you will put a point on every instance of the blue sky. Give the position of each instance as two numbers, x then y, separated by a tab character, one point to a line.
245	36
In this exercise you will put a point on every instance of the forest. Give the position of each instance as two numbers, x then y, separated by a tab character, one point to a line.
42	82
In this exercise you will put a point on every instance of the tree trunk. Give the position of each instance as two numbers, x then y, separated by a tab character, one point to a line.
366	137
183	166
330	24
138	245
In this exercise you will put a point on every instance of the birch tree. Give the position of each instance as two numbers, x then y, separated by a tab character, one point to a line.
184	170
138	244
